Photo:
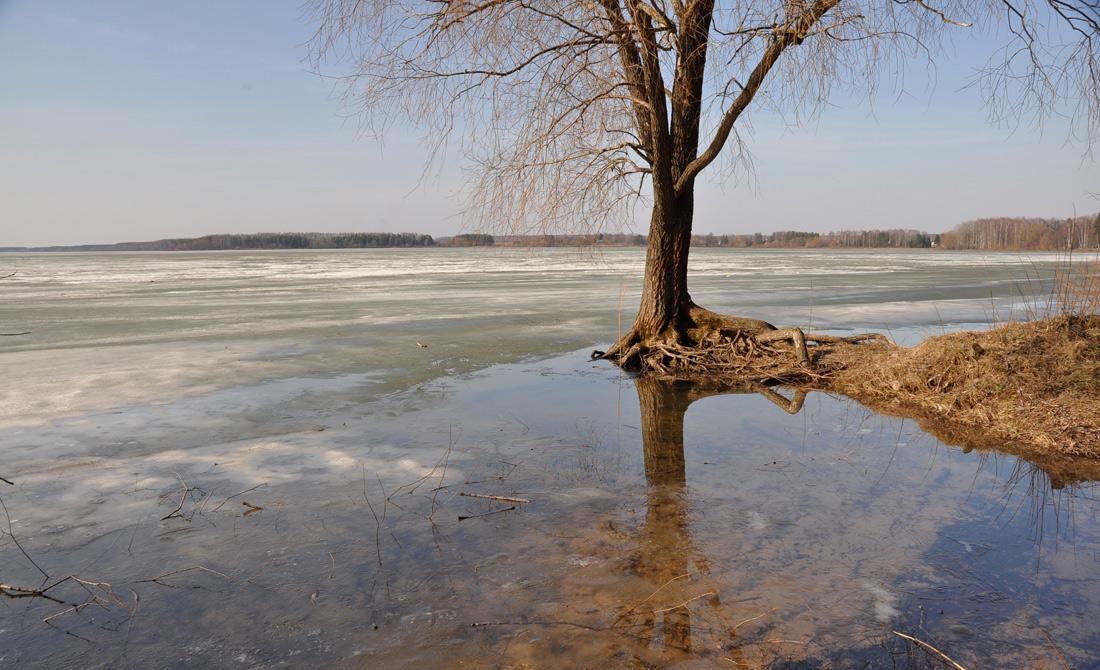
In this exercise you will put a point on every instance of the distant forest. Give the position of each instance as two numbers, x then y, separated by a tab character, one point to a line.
260	241
991	234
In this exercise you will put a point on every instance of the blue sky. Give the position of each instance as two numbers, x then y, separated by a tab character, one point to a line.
125	121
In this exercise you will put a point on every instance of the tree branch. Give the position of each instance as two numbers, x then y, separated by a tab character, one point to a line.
782	40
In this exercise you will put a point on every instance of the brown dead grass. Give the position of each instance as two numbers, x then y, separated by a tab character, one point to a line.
1029	389
1033	385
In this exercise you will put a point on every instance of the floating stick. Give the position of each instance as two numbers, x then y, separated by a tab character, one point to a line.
500	498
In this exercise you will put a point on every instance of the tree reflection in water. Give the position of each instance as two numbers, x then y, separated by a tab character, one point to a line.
666	553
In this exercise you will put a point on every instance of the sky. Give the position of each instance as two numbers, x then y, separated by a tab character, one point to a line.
140	120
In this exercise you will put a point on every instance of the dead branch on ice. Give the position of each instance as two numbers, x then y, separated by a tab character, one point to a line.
500	498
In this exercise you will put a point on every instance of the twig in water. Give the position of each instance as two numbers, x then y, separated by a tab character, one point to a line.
377	522
1064	664
445	460
512	469
413	486
20	589
252	509
104	587
330	575
74	608
661	588
12	591
755	618
279	510
453	496
526	428
446	464
478	516
208	496
478	624
500	498
177	572
11	534
183	498
946	659
249	580
129	628
691	600
235	495
6	481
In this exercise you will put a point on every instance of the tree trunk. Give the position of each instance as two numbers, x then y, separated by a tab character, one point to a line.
664	311
667	313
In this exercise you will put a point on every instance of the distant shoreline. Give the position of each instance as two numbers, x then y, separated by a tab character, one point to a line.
131	247
1000	234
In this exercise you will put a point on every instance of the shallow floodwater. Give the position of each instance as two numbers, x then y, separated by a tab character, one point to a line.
246	460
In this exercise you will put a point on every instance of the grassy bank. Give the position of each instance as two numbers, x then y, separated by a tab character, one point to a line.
1034	384
1029	387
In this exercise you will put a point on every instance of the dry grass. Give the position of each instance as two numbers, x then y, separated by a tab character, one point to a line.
1035	384
1032	388
1077	288
1029	387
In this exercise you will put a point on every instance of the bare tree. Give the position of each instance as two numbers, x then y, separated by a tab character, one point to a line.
572	111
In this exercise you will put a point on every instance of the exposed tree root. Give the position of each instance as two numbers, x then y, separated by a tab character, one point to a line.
734	349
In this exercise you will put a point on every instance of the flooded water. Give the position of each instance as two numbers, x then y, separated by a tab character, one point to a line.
403	458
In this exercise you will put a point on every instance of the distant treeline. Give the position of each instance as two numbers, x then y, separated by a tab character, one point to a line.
993	234
896	238
294	241
469	240
594	239
259	241
1012	234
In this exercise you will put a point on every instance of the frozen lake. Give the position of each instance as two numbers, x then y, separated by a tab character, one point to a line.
120	328
289	432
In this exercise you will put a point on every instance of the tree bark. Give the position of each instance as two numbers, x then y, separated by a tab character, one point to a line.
665	306
667	312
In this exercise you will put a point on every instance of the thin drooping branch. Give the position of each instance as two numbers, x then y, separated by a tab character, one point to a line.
1051	68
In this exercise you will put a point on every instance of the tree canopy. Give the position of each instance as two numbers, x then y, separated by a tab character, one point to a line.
562	108
569	112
